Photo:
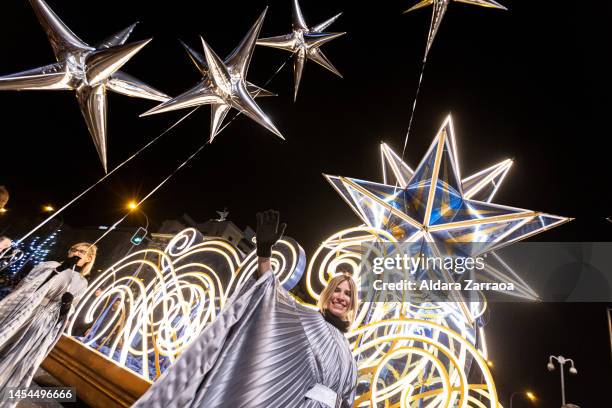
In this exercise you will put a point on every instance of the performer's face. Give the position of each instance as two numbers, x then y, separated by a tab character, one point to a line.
340	300
81	252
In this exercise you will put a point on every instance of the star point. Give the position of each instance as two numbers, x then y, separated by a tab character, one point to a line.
439	10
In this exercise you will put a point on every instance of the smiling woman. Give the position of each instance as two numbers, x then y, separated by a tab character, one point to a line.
265	349
337	301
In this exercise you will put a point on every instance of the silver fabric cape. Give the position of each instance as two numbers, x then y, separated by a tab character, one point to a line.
29	326
263	350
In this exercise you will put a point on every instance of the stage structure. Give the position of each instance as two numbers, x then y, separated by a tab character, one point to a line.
146	309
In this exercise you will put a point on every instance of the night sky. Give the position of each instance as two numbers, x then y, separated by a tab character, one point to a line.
530	84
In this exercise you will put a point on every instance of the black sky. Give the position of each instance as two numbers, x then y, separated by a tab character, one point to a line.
531	83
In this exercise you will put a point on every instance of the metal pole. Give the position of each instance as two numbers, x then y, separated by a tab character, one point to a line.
562	383
147	220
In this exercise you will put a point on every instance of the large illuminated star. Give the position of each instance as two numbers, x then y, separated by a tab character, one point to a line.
439	9
304	43
434	204
481	186
224	86
88	70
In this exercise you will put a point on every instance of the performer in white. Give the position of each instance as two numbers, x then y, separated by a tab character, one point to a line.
33	316
265	349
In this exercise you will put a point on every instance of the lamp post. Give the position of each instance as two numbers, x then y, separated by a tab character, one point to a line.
528	395
561	360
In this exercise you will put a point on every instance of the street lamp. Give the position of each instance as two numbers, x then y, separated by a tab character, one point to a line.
528	395
48	208
141	233
561	360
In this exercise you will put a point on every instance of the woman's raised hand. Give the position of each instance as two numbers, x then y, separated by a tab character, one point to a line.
268	232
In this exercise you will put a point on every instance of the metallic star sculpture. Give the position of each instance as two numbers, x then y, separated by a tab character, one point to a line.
439	9
224	85
481	186
433	210
88	70
434	204
304	43
199	60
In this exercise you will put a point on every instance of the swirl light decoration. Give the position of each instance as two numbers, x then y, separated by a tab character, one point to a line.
407	352
152	304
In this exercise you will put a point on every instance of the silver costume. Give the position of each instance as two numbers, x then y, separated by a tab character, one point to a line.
263	350
29	326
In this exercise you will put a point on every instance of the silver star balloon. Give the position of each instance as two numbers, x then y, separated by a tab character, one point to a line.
224	85
439	9
88	70
304	43
199	61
